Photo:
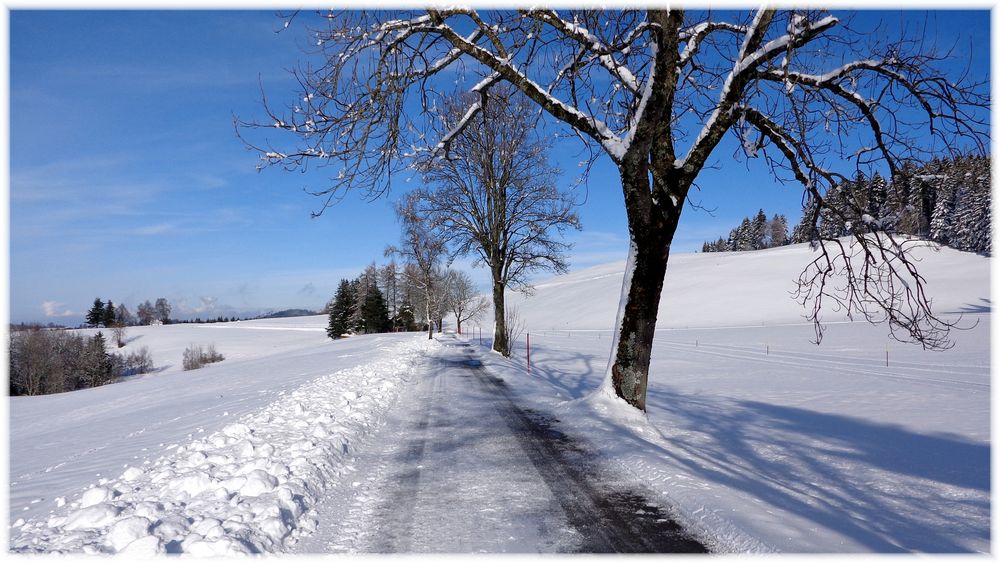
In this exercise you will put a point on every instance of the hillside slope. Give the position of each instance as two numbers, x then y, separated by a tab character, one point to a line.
733	289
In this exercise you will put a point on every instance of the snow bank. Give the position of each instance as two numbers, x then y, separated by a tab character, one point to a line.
246	488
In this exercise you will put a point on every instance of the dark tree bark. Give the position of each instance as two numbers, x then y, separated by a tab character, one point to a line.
500	343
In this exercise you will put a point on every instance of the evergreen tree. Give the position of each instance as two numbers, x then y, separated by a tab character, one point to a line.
831	223
404	319
359	291
971	227
97	367
758	231
946	200
878	198
340	311
804	231
375	312
95	315
108	316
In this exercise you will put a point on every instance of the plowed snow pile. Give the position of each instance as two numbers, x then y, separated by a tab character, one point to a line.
244	488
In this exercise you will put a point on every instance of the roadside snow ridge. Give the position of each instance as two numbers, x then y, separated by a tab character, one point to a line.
247	488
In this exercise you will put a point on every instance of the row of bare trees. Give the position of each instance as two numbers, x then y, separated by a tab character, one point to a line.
656	92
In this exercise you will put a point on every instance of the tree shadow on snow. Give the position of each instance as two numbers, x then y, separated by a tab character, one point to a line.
882	485
983	306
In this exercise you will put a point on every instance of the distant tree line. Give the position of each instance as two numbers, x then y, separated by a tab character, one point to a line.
945	200
392	298
199	320
753	234
106	315
45	361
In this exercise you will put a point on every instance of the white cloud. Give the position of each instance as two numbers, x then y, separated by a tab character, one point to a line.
159	229
55	309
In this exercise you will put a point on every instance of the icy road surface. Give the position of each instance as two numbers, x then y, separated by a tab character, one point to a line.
458	467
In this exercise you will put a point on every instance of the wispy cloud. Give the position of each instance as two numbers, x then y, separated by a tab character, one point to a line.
152	230
53	309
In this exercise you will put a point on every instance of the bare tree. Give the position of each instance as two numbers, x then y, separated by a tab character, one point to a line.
123	315
463	300
119	330
420	247
656	91
162	309
146	313
495	197
389	281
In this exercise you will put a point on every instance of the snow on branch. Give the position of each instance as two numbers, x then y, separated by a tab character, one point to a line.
751	55
481	88
504	67
694	35
591	43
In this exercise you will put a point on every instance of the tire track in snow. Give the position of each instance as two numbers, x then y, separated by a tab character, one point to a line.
608	518
460	468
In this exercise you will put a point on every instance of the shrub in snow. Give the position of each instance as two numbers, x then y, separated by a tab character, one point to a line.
138	362
196	356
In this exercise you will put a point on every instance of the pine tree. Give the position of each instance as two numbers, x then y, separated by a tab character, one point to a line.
375	312
108	316
832	225
96	363
96	313
758	231
971	227
946	200
404	319
878	199
340	311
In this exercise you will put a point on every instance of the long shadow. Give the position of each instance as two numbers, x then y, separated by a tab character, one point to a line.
576	379
983	306
771	452
808	463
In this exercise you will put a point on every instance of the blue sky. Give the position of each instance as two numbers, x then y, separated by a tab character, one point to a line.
128	182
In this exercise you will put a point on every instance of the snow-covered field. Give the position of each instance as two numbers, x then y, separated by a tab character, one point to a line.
758	439
218	460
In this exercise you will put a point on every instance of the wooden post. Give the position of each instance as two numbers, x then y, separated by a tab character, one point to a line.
528	335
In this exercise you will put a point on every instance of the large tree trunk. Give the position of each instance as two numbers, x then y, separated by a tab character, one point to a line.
427	312
500	343
650	232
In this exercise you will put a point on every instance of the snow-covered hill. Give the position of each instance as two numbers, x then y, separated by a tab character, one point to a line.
734	289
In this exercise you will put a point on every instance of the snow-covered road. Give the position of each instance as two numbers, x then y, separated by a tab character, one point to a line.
459	467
